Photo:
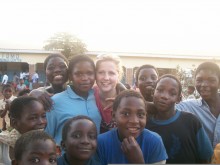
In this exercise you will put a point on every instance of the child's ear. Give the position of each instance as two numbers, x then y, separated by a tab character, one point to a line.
13	122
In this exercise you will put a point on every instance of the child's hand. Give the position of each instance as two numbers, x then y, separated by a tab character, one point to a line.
132	150
110	100
44	97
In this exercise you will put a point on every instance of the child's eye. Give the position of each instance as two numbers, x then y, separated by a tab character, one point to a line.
76	136
125	113
53	160
142	78
141	115
50	67
92	136
35	160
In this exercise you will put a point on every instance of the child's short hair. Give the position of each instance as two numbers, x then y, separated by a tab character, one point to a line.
172	77
147	66
67	124
127	93
7	86
53	56
209	66
27	139
18	104
110	57
79	58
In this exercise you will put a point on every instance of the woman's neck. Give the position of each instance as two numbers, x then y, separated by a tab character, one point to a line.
109	94
165	115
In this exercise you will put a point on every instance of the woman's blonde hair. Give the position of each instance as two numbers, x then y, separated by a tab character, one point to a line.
113	58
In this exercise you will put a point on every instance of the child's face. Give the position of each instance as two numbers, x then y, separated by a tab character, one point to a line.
146	81
207	84
166	94
33	117
107	76
7	93
82	77
130	117
56	71
42	152
21	81
81	140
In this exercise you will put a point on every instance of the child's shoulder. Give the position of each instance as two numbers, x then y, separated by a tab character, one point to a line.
108	134
147	134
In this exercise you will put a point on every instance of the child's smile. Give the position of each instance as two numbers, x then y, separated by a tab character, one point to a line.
130	117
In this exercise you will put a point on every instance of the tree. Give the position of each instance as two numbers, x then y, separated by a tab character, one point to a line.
68	44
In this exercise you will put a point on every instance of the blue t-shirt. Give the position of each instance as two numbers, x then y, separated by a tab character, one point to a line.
68	104
94	160
109	147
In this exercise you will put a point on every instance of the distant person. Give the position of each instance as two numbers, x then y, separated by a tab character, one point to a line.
35	80
4	79
7	91
15	80
21	85
190	92
35	147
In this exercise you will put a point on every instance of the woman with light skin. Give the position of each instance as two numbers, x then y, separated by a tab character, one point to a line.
108	75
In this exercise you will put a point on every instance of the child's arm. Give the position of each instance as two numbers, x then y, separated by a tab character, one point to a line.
132	150
44	97
4	111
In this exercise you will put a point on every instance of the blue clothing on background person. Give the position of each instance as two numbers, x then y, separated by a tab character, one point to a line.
184	138
201	110
68	104
110	152
94	160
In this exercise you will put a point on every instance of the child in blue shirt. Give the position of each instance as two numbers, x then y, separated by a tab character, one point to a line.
77	99
130	142
79	141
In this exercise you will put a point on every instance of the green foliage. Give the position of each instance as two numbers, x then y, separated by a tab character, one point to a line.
186	77
68	44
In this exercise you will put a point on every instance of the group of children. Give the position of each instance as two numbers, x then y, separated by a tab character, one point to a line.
144	132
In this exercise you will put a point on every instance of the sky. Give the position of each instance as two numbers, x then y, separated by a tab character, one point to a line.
141	26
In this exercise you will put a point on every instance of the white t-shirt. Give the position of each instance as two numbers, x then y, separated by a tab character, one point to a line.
35	78
5	79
